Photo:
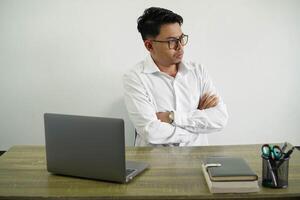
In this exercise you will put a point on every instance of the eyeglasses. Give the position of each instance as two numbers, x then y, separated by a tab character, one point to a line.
173	43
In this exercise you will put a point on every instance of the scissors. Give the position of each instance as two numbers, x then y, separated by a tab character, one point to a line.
271	152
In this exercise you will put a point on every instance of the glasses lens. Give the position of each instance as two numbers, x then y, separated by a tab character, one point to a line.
172	44
184	40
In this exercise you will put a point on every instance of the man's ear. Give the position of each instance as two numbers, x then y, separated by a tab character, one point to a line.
148	45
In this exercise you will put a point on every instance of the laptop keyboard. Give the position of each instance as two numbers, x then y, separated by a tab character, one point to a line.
129	171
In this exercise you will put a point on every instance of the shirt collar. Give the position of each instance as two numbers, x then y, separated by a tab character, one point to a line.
150	66
183	68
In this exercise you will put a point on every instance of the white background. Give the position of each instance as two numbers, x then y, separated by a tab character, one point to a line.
69	57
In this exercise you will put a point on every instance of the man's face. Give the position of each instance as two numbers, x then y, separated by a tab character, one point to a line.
161	52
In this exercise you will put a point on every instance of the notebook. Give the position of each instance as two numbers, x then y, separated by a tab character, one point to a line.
88	147
232	175
231	169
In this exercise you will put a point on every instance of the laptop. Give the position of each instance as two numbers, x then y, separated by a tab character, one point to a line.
88	147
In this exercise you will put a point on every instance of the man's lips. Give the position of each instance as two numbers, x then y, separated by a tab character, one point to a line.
179	55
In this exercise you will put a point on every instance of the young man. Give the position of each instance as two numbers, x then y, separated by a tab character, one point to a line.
170	102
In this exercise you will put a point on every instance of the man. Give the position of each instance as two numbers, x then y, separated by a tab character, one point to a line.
170	102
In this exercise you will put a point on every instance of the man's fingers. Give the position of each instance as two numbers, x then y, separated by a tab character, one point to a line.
208	100
211	102
203	99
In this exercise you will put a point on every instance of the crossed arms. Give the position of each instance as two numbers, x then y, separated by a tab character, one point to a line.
206	101
154	127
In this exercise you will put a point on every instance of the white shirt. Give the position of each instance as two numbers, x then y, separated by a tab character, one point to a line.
148	91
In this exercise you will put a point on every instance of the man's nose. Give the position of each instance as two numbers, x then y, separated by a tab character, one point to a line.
179	45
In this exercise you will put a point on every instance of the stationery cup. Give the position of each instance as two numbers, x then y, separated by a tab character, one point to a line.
275	173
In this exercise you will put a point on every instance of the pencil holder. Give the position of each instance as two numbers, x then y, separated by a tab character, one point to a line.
275	173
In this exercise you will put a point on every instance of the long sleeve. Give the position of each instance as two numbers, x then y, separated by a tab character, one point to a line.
142	112
207	120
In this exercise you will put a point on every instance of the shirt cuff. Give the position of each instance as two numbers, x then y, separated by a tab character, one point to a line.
181	136
180	118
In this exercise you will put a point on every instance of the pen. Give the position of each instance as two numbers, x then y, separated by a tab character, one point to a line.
272	172
284	147
269	165
289	152
287	155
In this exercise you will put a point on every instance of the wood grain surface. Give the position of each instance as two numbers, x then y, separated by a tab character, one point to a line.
174	173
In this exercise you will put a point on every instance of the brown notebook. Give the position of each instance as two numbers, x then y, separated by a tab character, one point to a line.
231	169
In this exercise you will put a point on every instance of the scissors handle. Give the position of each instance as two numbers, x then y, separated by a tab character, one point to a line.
277	152
273	152
266	150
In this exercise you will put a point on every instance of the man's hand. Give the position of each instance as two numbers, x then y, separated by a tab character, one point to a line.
163	116
208	101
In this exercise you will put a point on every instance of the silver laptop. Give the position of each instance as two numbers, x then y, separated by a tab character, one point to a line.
88	147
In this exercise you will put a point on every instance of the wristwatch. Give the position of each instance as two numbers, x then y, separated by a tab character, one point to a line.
171	117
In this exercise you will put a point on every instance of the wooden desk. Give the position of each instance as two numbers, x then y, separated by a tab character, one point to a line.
175	173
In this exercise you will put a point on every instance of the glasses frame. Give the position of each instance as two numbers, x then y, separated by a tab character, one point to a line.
177	41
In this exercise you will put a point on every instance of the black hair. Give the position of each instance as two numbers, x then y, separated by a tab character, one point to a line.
150	22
